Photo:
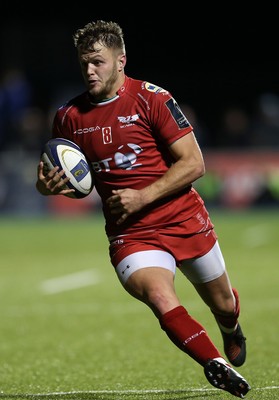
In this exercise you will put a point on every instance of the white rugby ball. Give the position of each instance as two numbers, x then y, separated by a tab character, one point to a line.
68	156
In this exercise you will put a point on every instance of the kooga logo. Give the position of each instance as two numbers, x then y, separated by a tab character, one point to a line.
82	131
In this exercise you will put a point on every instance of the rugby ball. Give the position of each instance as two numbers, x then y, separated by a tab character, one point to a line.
68	156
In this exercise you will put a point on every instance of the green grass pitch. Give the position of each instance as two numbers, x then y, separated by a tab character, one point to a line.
69	331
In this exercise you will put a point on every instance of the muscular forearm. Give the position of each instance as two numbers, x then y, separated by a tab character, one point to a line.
179	176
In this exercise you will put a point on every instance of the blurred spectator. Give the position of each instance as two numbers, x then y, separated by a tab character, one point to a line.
33	128
15	97
235	128
266	121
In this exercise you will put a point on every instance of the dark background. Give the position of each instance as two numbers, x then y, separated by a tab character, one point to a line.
217	60
209	58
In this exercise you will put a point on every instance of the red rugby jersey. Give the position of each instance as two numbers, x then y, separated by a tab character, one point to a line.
126	139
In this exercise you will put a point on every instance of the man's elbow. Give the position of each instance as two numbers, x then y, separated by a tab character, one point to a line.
200	170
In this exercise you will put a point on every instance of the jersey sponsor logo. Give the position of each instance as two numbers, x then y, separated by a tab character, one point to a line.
154	88
90	129
125	158
177	113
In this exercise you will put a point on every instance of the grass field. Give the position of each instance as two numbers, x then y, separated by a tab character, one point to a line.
69	330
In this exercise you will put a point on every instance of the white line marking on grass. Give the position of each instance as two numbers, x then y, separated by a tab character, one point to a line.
123	392
70	282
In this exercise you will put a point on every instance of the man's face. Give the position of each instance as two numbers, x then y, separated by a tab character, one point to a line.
102	71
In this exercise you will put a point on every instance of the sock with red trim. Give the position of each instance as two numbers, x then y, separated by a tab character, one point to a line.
188	335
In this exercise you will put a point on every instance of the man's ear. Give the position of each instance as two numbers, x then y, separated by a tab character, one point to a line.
122	61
